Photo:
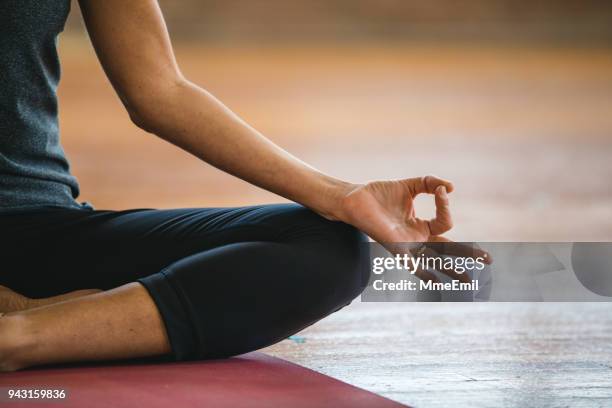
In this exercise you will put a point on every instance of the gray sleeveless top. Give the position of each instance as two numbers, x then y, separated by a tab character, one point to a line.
33	168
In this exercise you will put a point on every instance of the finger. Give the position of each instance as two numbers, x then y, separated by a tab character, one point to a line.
427	184
443	221
445	246
403	248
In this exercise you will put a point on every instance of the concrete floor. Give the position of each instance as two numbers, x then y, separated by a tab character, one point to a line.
472	355
524	133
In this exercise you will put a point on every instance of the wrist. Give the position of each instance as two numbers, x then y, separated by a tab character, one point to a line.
335	193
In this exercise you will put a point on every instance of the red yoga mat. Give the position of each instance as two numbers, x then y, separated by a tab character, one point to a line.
251	380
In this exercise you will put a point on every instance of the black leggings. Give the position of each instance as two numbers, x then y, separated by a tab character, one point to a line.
225	280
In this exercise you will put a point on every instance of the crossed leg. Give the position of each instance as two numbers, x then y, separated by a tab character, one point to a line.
284	286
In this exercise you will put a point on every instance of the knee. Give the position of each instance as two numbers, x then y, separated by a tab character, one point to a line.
340	250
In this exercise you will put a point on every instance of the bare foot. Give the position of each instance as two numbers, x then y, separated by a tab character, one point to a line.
116	324
11	301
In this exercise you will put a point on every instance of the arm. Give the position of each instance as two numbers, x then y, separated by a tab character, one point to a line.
132	43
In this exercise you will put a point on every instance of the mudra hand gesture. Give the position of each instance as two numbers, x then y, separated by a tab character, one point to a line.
384	210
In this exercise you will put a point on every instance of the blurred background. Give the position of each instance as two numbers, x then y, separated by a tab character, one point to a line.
512	100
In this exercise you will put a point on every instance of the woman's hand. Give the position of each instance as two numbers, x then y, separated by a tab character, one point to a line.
384	210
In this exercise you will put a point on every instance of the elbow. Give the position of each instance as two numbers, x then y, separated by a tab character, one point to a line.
140	118
150	105
145	113
147	119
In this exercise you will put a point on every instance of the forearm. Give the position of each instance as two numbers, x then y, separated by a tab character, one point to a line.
196	121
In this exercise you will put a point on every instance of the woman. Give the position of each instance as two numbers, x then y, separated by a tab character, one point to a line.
181	284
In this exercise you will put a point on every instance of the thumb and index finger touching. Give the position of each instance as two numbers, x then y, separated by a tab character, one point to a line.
443	221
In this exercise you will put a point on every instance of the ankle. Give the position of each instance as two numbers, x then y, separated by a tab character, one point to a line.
15	341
